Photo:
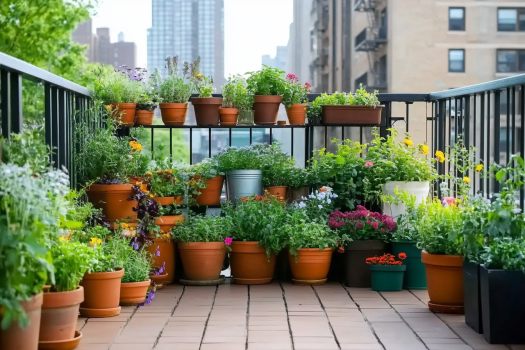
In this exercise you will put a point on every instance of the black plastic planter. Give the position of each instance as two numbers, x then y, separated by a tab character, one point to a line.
357	272
502	305
472	296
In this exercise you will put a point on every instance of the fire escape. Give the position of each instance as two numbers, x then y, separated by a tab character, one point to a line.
371	38
321	39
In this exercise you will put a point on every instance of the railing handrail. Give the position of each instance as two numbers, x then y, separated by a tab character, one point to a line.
479	88
40	75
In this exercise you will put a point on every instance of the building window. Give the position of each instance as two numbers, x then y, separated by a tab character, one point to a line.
510	61
456	18
456	61
511	19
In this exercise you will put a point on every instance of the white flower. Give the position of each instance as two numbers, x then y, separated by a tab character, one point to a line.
328	200
320	206
303	198
311	196
302	205
321	195
334	195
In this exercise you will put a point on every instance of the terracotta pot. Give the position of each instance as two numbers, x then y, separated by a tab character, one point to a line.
133	293
59	315
133	180
144	117
126	111
266	109
167	222
278	191
249	263
101	294
158	280
164	201
296	114
211	195
113	200
207	110
312	265
202	261
61	345
228	116
166	247
444	282
173	113
351	115
16	338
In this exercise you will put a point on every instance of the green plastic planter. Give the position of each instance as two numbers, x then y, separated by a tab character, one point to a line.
415	276
387	278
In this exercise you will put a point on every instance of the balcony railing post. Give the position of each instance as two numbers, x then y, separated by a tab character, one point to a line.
48	123
54	124
62	131
497	129
15	95
5	106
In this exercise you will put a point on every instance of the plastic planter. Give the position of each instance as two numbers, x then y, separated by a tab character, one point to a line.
357	272
415	275
472	296
387	278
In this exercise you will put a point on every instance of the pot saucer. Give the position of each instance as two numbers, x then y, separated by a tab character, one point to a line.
84	312
446	309
69	344
309	282
202	283
251	281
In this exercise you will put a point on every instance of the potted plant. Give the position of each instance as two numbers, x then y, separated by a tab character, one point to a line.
277	171
164	186
228	111
62	300
210	172
106	163
391	165
202	242
206	106
119	90
256	224
299	181
244	103
267	86
295	98
365	234
405	238
136	281
175	90
387	272
340	108
439	228
30	209
101	282
311	245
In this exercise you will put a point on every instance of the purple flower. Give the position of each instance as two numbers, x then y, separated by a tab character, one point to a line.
157	253
135	244
161	270
150	297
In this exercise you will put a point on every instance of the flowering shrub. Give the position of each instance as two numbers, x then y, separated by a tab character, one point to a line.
386	259
318	205
294	92
362	224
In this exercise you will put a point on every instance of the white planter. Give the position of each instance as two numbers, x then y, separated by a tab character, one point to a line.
420	189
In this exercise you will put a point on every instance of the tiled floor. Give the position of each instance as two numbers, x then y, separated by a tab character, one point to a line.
281	317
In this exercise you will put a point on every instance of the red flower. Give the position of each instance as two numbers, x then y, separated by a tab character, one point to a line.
402	256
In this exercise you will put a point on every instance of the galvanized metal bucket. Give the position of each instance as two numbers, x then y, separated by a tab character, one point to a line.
243	183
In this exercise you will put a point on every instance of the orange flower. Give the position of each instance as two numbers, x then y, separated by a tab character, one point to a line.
159	172
341	250
258	198
243	199
402	256
144	187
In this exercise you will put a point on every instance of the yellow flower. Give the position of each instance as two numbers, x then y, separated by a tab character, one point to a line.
168	171
479	168
132	144
137	183
458	200
143	187
466	179
138	147
149	173
440	156
152	195
424	149
93	241
186	183
199	75
159	172
99	241
408	142
63	239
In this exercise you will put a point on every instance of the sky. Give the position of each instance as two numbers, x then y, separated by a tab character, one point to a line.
252	28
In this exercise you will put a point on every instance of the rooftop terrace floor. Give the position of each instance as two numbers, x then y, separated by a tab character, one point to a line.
282	316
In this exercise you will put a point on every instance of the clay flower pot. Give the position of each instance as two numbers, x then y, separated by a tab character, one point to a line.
296	114
113	200
211	195
351	115
133	293
158	280
228	116
202	261
266	109
312	265
164	201
133	180
144	117
17	338
59	316
207	110
249	263
444	282
126	112
278	191
166	247
101	294
173	113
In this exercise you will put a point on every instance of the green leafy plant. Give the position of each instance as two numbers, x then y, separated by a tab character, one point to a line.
137	265
204	86
343	171
294	92
475	219
116	86
257	156
27	148
318	205
304	234
277	166
176	88
267	81
163	183
207	169
504	253
235	94
258	219
389	160
299	177
202	229
71	260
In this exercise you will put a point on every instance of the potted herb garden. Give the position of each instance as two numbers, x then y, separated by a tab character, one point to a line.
147	102
267	86
295	99
208	171
206	106
136	281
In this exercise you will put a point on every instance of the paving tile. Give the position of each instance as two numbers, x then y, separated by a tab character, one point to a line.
270	346
374	346
101	332
85	346
131	347
187	339
268	336
178	346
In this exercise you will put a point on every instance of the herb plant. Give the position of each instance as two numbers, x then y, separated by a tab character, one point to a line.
204	86
176	88
257	156
27	148
235	94
294	92
202	229
207	169
136	265
267	81
164	183
304	234
504	253
117	86
71	260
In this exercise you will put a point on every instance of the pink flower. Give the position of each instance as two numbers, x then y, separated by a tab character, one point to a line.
359	225
369	164
375	225
351	230
368	222
382	230
292	77
308	84
228	241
